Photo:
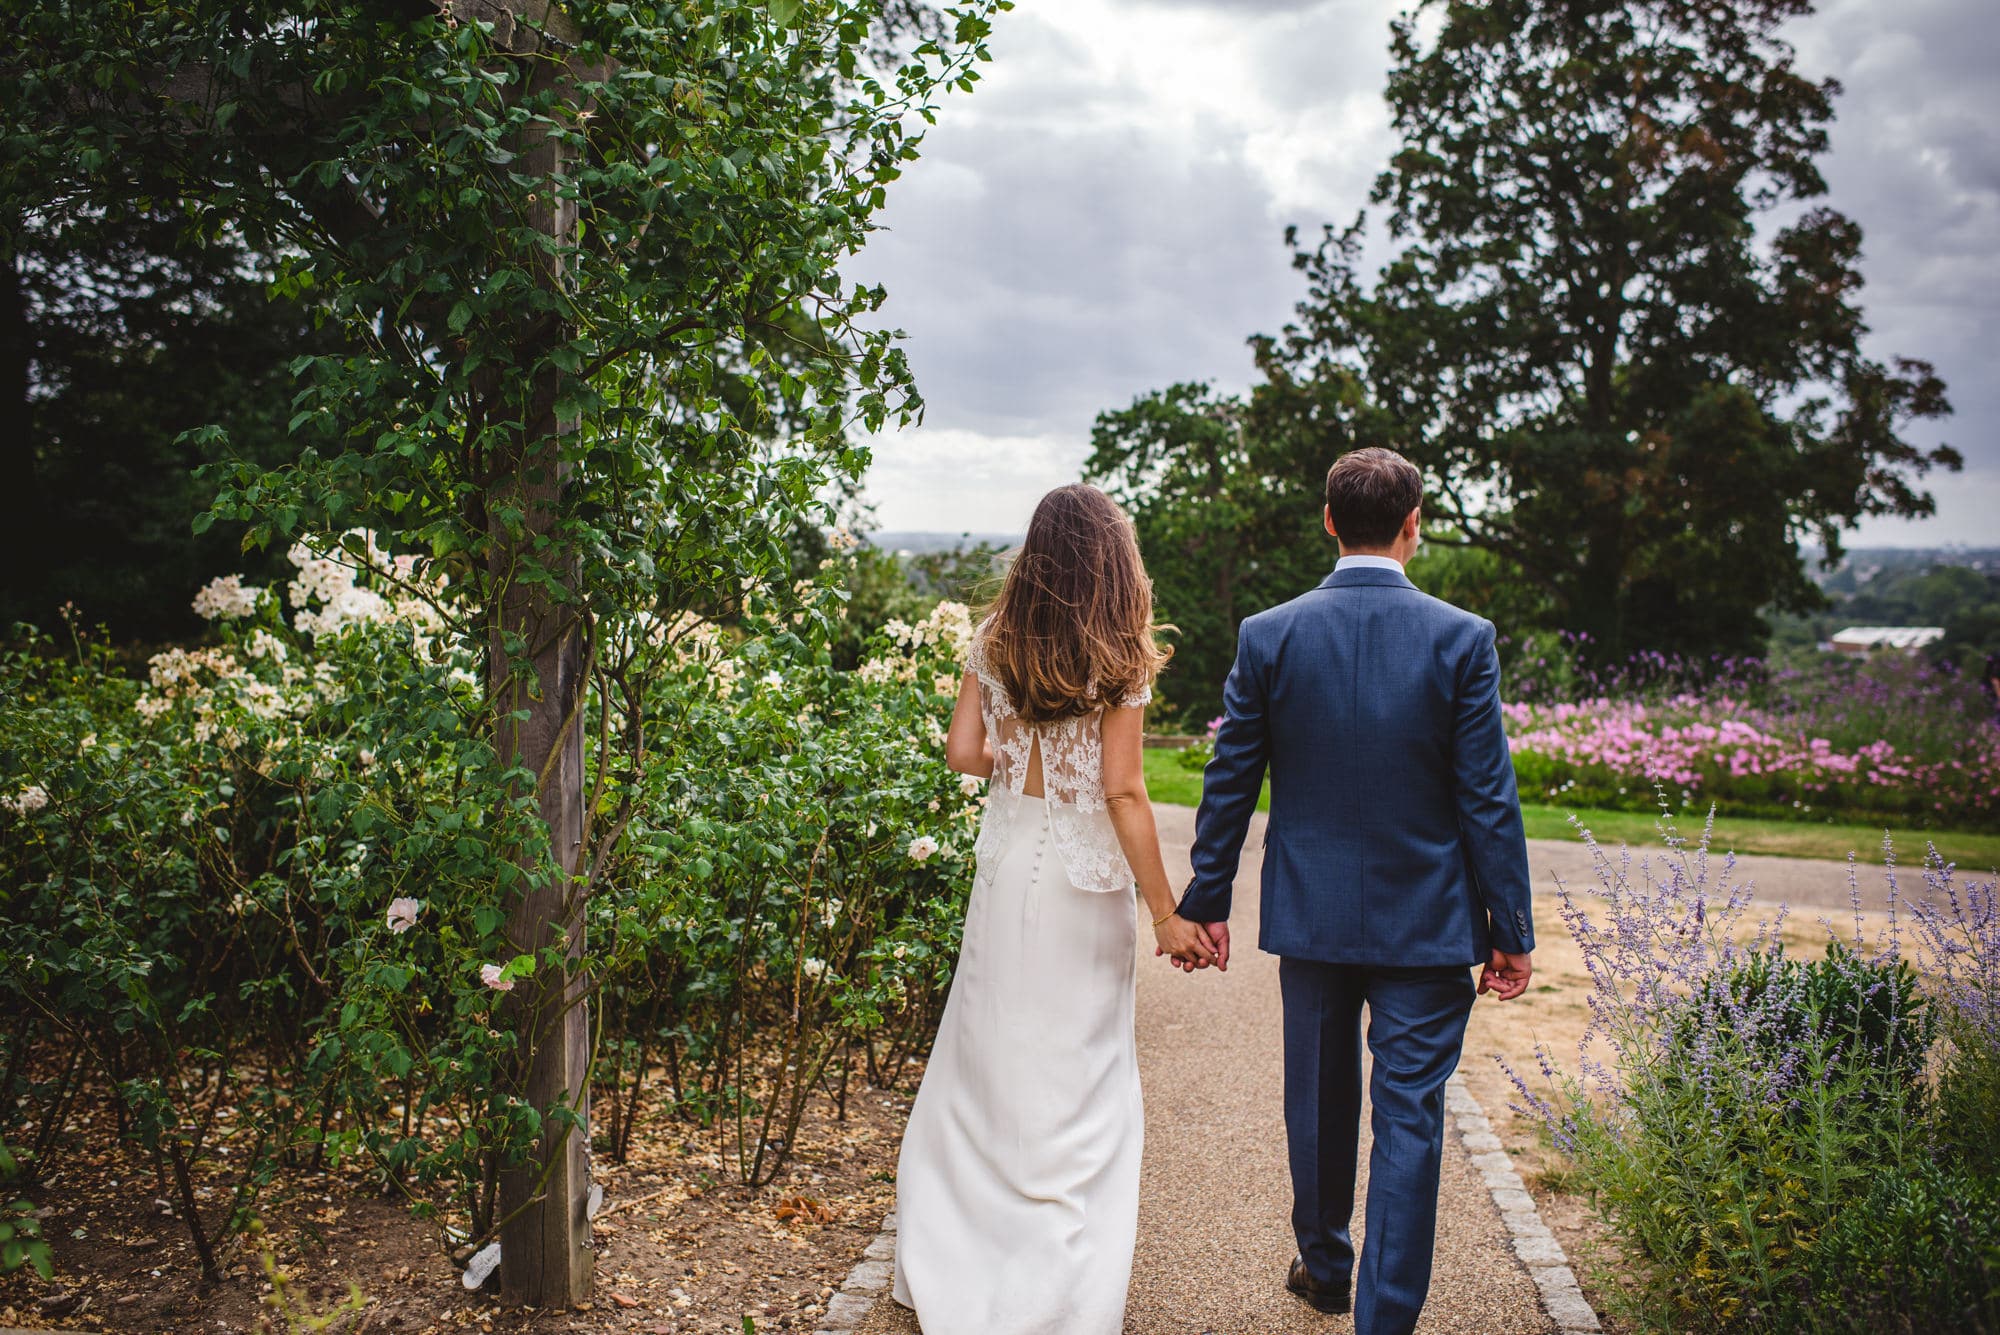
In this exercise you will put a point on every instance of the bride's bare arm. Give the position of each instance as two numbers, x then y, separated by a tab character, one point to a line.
966	748
1132	817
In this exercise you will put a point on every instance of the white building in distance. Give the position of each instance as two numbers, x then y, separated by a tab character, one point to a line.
1868	639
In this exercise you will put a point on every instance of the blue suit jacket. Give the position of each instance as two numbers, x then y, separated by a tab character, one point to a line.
1395	832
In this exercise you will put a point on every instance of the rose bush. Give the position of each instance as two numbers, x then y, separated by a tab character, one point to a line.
260	896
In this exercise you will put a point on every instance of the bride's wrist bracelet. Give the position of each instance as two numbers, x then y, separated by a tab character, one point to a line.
1168	914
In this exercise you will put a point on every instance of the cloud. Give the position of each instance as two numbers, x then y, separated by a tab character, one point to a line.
1915	162
1088	266
1966	506
937	479
1235	6
1103	217
1085	229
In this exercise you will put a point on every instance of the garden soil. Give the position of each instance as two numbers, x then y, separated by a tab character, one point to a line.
681	1249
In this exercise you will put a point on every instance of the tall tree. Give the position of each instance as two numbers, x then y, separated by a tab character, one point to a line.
1622	367
555	237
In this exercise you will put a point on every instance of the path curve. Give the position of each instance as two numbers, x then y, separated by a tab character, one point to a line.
1814	885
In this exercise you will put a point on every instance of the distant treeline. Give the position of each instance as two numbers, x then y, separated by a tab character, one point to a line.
1956	589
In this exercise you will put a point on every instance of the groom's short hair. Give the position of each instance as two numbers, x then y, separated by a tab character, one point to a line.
1370	493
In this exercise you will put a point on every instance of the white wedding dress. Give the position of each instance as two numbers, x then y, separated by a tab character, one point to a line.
1018	1185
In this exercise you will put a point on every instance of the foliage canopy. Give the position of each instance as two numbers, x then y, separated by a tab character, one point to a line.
1617	333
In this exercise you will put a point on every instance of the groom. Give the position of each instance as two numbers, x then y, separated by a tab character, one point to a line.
1393	860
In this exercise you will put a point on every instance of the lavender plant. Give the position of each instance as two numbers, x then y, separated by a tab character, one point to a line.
1746	1121
1957	928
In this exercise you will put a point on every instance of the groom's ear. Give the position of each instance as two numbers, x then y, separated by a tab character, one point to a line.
1326	516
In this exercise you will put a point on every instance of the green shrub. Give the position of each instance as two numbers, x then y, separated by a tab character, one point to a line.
1765	1137
1845	1020
21	1241
1918	1254
262	897
1968	1100
1195	757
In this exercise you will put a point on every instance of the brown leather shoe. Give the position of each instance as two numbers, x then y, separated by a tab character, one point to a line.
1319	1297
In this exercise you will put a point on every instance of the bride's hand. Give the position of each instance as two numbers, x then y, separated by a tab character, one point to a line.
1186	941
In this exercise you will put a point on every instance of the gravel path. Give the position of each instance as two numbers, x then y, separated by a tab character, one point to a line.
1214	1231
1810	884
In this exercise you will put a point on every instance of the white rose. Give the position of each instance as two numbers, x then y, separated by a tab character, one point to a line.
403	914
922	847
226	598
28	801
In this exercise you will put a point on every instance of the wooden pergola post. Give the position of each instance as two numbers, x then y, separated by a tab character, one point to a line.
546	1258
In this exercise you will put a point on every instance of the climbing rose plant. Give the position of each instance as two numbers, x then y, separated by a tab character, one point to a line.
257	893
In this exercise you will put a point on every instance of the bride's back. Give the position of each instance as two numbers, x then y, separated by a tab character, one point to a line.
1069	637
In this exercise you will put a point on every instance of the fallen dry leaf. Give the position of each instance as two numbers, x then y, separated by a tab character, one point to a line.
806	1208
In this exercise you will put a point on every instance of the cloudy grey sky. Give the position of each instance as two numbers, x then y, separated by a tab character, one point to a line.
1104	216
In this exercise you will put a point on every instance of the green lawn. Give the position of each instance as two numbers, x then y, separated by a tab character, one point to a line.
1168	782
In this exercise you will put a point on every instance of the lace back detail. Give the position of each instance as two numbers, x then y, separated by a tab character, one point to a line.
1072	781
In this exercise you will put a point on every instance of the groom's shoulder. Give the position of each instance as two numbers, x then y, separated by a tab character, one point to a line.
1451	614
1443	622
1307	604
1454	628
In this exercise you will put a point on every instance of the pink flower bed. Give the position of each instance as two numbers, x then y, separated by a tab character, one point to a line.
1723	749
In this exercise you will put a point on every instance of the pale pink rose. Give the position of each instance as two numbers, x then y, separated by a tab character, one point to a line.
403	914
491	975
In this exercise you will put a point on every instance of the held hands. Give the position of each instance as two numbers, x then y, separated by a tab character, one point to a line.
1506	976
1203	943
1189	944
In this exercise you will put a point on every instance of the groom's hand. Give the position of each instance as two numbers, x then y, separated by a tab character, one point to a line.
1218	932
1505	976
1217	938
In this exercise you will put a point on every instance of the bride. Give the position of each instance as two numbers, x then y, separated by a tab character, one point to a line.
1018	1185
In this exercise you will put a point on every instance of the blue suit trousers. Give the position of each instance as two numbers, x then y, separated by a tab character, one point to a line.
1416	1026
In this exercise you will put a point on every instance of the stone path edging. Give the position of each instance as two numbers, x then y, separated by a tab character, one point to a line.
865	1285
1537	1248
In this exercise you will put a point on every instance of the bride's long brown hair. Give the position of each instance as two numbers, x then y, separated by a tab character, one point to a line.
1072	631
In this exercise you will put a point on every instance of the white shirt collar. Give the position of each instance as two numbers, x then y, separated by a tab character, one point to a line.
1368	563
